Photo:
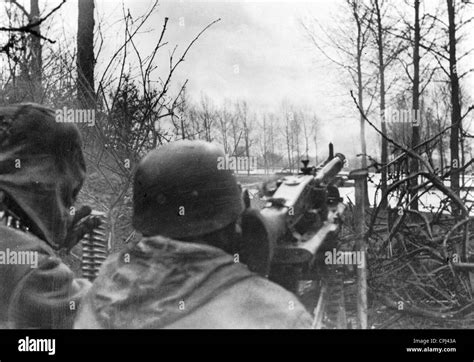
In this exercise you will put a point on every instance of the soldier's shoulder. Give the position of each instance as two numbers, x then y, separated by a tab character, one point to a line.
270	303
19	240
257	286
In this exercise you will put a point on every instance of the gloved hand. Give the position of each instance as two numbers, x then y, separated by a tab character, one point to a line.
336	214
331	225
81	224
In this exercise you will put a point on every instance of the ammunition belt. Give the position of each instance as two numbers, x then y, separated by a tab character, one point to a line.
9	219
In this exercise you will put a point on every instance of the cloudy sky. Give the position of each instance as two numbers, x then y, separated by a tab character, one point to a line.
258	52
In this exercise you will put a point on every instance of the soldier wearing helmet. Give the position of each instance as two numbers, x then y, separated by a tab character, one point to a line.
41	172
189	269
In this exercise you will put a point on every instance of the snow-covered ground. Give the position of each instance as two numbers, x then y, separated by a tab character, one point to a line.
429	201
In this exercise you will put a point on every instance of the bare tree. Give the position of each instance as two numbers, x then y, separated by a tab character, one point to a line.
455	102
346	47
236	131
224	116
360	17
17	32
134	113
85	54
264	143
24	50
288	133
247	123
36	49
415	138
207	115
296	130
387	52
272	134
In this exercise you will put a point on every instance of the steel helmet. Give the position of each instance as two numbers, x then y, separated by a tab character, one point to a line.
179	191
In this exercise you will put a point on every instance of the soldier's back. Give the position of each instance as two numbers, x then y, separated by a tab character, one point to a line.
163	283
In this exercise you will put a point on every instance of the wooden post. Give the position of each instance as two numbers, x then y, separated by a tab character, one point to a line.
360	180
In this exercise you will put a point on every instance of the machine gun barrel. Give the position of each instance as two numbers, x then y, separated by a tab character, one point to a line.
330	169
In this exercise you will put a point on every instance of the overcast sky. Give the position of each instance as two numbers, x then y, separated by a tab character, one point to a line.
257	52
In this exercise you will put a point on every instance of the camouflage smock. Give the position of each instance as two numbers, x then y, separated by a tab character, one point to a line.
163	283
41	169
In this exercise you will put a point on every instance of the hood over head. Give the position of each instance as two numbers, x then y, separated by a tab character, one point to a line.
42	168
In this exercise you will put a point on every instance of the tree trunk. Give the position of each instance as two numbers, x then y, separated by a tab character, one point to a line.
415	138
265	152
288	147
455	102
315	150
384	150
183	134
441	154
298	153
247	147
85	54
36	53
272	144
361	102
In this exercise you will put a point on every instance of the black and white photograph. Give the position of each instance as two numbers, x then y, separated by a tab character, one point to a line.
237	165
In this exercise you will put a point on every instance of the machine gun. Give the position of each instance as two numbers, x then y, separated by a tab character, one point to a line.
302	219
